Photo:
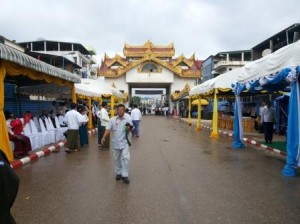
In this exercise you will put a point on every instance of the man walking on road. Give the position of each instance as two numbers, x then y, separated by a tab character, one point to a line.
104	118
120	125
136	117
73	119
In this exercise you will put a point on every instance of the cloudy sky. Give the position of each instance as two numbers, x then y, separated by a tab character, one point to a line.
195	26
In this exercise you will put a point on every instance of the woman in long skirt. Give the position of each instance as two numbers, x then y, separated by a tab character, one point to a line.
99	128
83	129
83	132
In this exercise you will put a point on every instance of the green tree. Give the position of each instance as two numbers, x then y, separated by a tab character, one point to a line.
136	100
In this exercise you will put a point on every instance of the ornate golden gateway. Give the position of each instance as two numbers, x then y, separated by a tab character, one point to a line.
135	56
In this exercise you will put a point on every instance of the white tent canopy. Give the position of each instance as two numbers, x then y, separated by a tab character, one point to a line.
287	56
203	87
96	88
223	81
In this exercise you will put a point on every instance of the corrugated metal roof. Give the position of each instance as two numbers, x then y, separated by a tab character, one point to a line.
13	55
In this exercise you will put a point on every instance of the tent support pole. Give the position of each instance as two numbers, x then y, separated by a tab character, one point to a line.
74	99
90	122
215	132
112	106
198	128
4	139
189	115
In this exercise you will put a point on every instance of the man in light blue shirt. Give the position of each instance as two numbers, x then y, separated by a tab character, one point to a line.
121	127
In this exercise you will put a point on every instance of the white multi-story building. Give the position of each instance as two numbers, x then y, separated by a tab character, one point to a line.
71	56
229	60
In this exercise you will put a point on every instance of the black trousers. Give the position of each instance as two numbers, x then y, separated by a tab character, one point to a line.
268	131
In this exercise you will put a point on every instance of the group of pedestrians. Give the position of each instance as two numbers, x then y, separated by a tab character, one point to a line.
76	120
123	127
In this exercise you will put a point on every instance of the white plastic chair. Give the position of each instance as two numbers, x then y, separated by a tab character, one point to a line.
37	124
50	129
51	123
46	136
34	131
59	131
32	137
62	127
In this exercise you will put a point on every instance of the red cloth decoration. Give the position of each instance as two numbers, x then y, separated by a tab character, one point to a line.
17	126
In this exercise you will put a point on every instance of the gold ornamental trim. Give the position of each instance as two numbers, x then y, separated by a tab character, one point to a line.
115	73
176	96
148	48
183	59
115	59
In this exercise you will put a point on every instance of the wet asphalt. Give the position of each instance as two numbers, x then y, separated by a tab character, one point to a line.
177	175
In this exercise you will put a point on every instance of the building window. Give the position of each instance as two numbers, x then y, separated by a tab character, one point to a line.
149	67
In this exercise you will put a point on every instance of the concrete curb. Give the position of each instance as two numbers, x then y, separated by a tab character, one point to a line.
36	155
246	140
44	152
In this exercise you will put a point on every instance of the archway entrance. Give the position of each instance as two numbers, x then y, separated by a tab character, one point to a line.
149	96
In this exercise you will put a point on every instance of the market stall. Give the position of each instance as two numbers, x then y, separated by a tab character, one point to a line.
215	88
275	72
87	89
17	66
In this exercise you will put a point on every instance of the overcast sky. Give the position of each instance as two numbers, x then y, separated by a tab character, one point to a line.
194	26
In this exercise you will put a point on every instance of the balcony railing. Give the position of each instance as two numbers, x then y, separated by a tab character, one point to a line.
230	63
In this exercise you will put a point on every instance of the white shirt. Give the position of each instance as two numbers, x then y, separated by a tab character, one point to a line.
74	119
118	126
268	115
261	108
61	120
104	117
136	115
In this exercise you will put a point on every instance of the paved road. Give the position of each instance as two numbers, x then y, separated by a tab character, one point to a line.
177	176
